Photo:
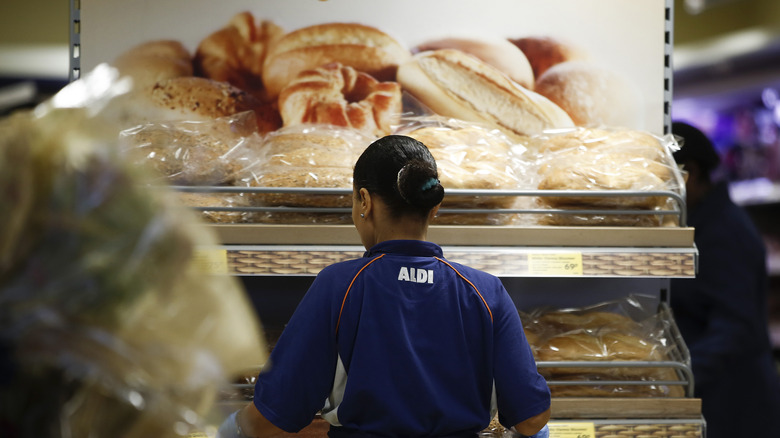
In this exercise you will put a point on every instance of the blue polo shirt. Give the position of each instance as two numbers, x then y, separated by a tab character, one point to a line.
402	342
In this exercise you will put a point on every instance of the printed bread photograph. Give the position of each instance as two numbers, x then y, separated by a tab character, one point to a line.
206	110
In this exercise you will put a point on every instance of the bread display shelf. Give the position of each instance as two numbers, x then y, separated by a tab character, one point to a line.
308	260
674	424
526	233
678	211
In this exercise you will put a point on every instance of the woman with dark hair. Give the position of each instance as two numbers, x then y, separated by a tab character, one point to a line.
401	342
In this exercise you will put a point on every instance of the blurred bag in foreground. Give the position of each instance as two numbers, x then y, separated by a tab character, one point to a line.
107	326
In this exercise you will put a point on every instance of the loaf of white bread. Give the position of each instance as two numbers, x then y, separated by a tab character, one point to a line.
455	84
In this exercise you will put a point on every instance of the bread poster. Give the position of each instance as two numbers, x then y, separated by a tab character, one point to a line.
564	62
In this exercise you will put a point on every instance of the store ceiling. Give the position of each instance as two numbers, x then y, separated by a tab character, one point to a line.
728	71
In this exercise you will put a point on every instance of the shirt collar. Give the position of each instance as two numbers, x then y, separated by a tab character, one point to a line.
418	248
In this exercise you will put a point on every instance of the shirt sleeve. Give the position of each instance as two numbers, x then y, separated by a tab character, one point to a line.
298	377
521	392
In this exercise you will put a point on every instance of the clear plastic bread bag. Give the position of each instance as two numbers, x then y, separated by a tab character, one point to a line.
109	326
632	328
608	159
473	157
195	152
309	158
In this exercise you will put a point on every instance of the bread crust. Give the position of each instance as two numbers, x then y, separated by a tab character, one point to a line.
236	53
340	95
543	52
498	52
592	95
362	47
154	61
455	84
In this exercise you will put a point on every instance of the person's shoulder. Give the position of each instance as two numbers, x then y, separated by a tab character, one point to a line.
347	268
473	274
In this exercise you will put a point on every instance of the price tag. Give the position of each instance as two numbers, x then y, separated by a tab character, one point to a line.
211	261
569	263
571	430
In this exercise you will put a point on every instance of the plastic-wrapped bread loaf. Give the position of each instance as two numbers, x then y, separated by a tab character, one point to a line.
306	156
471	156
602	335
605	159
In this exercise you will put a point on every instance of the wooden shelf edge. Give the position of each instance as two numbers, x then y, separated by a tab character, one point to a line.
654	408
621	237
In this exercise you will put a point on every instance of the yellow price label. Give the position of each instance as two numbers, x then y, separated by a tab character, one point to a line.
569	263
211	261
571	429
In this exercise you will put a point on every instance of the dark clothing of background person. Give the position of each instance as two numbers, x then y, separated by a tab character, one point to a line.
722	313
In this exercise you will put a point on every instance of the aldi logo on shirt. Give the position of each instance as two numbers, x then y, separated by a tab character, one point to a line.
415	275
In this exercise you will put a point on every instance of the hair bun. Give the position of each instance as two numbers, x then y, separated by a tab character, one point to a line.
418	184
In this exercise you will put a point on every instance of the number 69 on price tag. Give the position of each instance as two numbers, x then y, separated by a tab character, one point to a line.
569	263
571	429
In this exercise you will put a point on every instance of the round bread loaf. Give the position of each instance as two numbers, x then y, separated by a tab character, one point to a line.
154	61
339	95
543	52
235	53
455	84
498	52
593	96
362	47
184	98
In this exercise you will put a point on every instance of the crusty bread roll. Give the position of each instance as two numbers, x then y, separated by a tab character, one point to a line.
362	47
339	95
235	53
592	95
543	52
183	98
498	52
200	98
455	84
154	61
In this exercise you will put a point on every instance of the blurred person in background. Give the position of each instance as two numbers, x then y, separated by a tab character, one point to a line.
722	313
